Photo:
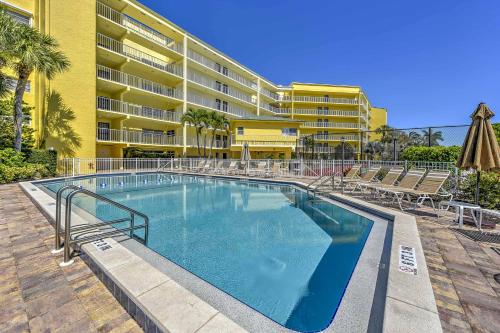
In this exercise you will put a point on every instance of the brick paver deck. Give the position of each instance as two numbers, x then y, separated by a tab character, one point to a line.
36	295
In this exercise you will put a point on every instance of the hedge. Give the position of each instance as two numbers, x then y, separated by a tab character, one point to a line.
489	189
44	157
434	154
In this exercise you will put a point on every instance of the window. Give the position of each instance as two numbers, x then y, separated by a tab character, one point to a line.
218	67
218	85
326	98
217	104
19	17
225	89
224	106
170	132
225	71
323	110
240	131
289	131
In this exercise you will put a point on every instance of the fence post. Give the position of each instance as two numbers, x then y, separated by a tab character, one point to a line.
171	164
136	164
430	134
73	167
394	157
321	167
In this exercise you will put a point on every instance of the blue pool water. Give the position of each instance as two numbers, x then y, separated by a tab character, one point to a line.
265	244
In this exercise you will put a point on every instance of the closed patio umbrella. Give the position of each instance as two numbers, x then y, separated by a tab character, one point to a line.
245	155
480	150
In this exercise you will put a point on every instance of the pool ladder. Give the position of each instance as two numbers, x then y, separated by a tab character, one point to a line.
96	229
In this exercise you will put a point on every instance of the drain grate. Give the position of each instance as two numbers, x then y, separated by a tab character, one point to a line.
478	236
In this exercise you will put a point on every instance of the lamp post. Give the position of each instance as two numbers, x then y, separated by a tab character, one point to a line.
342	140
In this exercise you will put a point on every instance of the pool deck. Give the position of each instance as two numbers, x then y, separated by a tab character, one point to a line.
45	297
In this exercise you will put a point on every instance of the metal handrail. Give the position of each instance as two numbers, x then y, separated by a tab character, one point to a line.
67	222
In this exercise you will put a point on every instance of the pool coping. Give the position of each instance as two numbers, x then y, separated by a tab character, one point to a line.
409	303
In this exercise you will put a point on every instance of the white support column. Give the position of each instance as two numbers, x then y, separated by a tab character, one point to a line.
184	94
258	96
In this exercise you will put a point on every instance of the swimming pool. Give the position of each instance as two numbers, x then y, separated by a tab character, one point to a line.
265	244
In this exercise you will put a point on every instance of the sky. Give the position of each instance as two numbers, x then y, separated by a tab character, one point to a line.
429	62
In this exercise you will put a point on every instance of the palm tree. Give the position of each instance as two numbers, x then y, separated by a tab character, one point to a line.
32	51
7	26
434	137
196	118
217	122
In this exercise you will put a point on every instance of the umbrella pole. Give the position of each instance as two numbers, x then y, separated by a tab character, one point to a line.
478	177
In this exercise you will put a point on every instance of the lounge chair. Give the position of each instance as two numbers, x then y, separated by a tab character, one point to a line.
217	167
231	169
275	170
389	179
366	178
431	185
352	174
259	171
207	166
198	167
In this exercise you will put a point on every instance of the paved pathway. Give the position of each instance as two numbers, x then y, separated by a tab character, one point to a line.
36	295
461	271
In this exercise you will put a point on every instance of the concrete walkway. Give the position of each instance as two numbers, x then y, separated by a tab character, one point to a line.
36	295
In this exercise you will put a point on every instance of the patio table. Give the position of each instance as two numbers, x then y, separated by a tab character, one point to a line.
460	207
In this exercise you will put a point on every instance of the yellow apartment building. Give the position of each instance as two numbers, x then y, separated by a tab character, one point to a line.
134	73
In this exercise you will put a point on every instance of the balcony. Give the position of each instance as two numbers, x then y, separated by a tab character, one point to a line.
112	105
139	28
333	137
209	102
320	124
331	150
264	140
273	109
319	99
136	82
137	55
211	84
218	144
316	112
212	65
270	94
137	137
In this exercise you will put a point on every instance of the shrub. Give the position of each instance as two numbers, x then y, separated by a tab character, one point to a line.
10	174
489	189
10	157
44	157
434	153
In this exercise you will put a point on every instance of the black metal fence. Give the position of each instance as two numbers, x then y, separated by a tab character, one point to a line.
385	143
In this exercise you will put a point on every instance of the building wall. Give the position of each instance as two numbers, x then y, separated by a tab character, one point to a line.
91	34
378	118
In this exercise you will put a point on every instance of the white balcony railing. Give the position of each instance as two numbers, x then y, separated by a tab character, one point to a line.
220	144
209	102
108	104
273	109
320	99
340	113
132	53
322	124
264	140
109	74
137	137
334	137
212	65
329	150
139	28
206	81
268	93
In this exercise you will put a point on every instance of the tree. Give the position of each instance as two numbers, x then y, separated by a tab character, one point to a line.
7	125
7	25
216	122
31	51
196	118
435	136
